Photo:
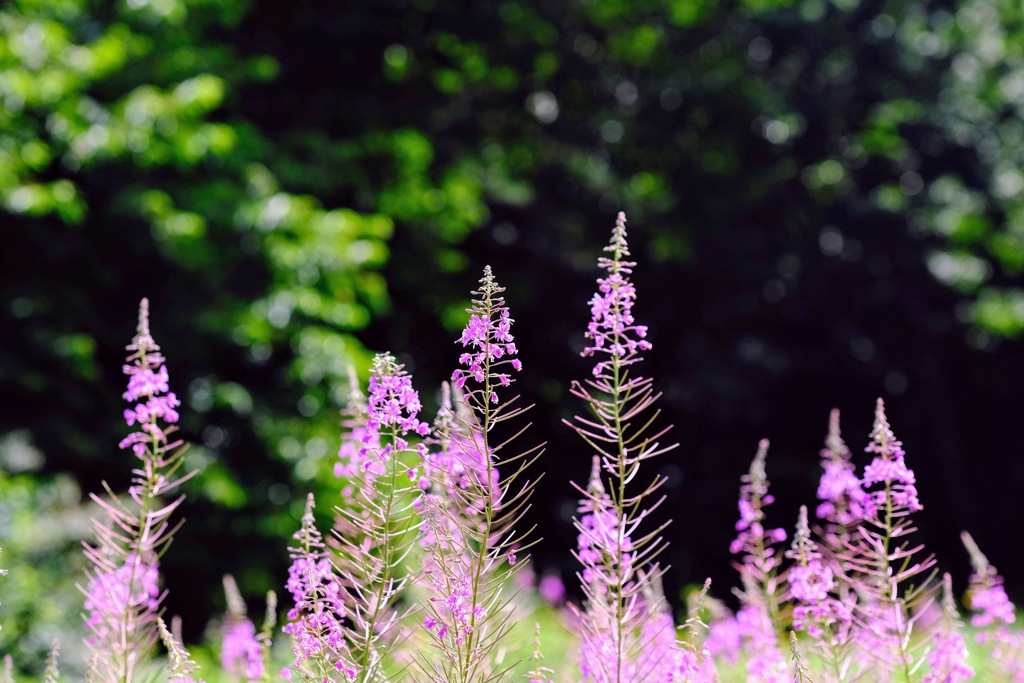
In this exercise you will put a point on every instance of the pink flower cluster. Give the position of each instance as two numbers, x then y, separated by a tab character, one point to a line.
889	467
986	595
132	588
844	501
811	582
241	652
316	621
753	539
602	540
492	341
353	459
750	632
990	605
489	334
148	392
464	465
458	604
446	569
393	402
613	328
604	546
948	660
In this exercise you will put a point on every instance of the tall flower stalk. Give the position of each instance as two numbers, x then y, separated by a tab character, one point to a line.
244	652
178	659
757	625
826	618
122	594
844	503
754	544
316	622
894	587
758	621
619	558
992	614
358	584
473	494
947	660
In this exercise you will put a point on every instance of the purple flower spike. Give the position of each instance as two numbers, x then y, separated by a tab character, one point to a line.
393	404
488	335
316	622
987	597
754	497
948	657
620	572
612	328
759	559
152	403
472	548
353	619
122	594
811	582
889	466
880	561
992	615
844	501
241	652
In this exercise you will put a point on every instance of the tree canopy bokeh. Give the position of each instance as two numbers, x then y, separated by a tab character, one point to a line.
825	198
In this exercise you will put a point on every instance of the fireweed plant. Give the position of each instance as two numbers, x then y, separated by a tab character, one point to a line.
758	565
122	592
424	575
992	613
345	621
245	654
625	630
473	496
895	586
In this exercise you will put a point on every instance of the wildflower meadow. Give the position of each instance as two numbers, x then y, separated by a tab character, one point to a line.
425	572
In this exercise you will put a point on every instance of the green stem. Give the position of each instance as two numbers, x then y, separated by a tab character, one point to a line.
366	646
149	485
892	588
620	607
619	505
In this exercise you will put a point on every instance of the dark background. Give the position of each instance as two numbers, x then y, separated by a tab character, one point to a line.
823	198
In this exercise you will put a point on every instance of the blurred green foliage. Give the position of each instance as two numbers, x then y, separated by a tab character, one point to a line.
116	119
281	178
43	523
